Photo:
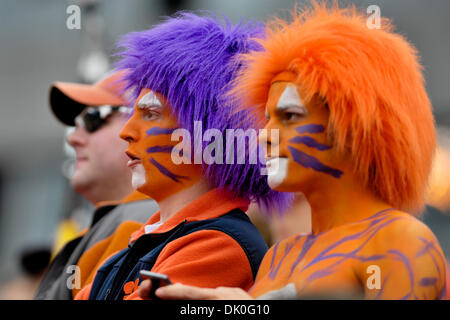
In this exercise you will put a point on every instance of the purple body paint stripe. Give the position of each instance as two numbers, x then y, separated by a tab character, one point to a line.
310	142
156	149
310	128
401	257
156	131
273	272
166	172
428	281
308	161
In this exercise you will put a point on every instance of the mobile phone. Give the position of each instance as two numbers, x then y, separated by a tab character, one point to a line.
157	279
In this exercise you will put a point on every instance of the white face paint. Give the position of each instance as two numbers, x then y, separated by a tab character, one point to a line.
150	100
290	99
138	176
277	170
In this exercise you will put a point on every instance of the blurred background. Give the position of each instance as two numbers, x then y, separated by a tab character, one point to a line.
37	48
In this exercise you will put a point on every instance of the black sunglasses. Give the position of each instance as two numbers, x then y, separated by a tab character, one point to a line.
92	118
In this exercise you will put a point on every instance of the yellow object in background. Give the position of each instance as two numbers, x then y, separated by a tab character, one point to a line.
67	230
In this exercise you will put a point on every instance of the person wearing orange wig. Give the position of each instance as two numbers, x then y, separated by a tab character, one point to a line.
356	137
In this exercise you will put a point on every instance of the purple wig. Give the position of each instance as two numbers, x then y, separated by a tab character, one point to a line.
191	61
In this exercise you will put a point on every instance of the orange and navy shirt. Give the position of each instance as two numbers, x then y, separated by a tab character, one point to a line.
209	243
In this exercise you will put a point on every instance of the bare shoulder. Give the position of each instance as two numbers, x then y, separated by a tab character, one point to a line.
409	257
403	229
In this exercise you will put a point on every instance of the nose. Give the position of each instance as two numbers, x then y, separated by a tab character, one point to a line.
269	138
130	132
77	137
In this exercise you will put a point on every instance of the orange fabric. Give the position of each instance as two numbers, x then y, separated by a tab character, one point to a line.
83	294
205	258
134	196
92	259
199	209
371	79
339	263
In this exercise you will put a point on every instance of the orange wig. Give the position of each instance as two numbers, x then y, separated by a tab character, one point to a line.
380	115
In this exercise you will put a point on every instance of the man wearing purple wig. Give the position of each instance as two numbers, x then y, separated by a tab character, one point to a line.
180	71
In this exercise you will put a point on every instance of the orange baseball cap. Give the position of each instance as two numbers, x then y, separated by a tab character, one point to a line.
67	100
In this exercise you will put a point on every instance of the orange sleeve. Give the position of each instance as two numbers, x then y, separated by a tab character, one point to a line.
206	258
85	291
83	294
95	256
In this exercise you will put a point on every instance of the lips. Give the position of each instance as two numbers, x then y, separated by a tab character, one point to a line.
80	160
133	160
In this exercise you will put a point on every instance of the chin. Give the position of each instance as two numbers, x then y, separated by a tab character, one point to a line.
138	177
277	169
79	181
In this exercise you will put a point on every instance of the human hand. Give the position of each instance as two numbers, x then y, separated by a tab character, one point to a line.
179	291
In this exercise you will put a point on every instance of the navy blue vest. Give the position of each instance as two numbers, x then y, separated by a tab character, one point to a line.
124	266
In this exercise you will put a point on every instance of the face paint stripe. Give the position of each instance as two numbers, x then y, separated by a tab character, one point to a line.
310	142
166	172
157	149
156	131
310	128
308	161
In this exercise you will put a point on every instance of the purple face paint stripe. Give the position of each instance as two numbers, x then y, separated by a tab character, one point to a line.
310	142
310	128
156	131
308	161
156	149
166	172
